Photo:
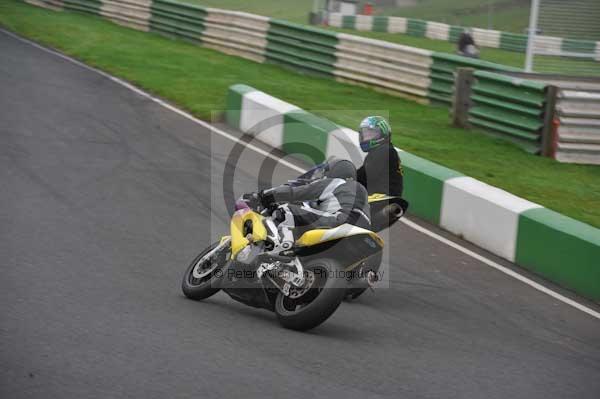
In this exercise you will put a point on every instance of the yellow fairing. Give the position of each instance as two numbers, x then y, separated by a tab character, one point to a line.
318	236
238	239
378	197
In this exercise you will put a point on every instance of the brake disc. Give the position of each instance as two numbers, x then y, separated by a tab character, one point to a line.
297	292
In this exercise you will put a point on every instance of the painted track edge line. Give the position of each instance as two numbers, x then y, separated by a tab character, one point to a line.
502	269
407	222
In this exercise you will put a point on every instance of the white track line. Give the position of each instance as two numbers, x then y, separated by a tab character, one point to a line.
409	223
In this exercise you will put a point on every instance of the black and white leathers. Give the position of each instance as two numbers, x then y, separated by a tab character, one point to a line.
327	202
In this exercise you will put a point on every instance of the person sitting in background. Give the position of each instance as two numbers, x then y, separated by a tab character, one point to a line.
466	45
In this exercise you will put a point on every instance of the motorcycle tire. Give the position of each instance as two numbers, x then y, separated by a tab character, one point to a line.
324	296
199	289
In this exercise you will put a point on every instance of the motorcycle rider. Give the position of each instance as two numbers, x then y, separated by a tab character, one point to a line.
329	202
382	169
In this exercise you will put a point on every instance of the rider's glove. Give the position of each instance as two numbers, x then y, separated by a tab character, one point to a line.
266	197
252	199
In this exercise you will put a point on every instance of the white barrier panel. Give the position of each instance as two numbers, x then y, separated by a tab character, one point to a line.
335	20
400	69
364	22
437	31
131	13
487	38
236	33
397	25
262	117
485	215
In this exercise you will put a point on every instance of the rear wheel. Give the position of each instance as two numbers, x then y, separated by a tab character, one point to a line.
311	305
203	275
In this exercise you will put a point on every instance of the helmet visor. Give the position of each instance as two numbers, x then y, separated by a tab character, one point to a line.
368	134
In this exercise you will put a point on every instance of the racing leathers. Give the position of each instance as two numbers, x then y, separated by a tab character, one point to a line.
328	202
382	171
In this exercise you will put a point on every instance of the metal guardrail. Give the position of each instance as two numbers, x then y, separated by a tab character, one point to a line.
236	33
169	18
302	48
578	130
510	106
576	117
513	108
398	69
443	71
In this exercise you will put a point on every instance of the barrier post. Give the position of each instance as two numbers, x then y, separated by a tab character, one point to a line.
461	102
548	130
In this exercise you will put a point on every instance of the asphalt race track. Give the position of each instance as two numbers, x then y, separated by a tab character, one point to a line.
106	197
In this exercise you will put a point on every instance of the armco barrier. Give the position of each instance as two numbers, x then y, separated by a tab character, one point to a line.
55	5
443	70
561	249
236	33
578	132
131	13
511	106
89	6
450	33
303	48
573	130
177	20
398	69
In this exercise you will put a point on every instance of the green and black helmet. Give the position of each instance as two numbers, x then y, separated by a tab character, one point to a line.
373	132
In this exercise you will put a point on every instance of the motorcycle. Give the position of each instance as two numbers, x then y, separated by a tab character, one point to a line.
302	280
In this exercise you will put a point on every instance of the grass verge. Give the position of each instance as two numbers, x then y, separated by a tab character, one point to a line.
197	79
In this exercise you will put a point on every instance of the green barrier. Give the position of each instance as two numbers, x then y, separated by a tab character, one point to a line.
424	186
178	20
89	6
513	42
511	107
380	23
454	33
560	249
233	102
443	69
305	135
302	48
349	22
578	46
416	27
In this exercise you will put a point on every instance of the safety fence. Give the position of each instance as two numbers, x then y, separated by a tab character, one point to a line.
511	107
169	18
417	74
554	246
443	71
551	115
398	69
303	48
577	121
451	33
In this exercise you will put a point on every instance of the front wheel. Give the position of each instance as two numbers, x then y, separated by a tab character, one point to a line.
311	305
202	277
